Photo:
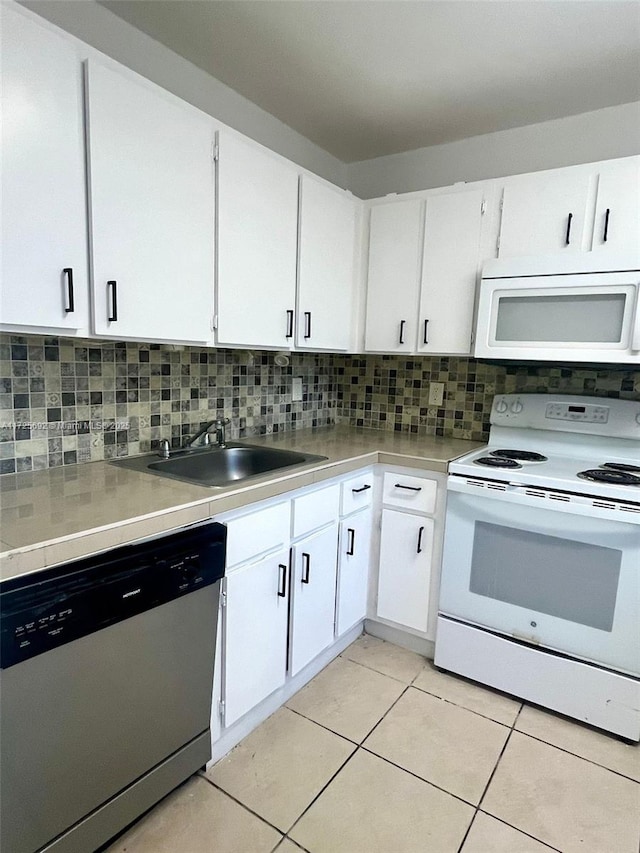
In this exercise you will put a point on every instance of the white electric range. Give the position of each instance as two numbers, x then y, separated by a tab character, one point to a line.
540	591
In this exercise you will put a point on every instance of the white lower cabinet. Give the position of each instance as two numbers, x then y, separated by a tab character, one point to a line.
313	596
255	635
353	570
406	548
299	571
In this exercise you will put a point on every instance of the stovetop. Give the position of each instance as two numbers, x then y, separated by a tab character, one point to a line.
583	445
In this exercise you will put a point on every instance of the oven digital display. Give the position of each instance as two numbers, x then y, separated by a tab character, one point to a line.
576	408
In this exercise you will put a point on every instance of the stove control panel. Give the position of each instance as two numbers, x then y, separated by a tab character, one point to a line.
603	416
586	413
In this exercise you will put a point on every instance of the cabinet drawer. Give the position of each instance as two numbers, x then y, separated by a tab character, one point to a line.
415	493
315	509
357	493
257	532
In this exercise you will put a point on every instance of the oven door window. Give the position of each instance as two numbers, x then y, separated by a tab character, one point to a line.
546	574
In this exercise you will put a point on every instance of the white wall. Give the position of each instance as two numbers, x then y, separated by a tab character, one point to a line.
104	31
599	135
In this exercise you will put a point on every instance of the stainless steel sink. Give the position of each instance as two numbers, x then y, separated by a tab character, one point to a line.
218	467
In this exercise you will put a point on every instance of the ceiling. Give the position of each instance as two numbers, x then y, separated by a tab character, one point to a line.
374	77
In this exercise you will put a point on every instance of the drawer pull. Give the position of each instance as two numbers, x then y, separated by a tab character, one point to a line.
306	563
282	585
419	548
408	488
352	541
361	489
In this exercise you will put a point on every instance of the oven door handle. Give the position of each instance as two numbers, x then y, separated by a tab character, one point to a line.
563	520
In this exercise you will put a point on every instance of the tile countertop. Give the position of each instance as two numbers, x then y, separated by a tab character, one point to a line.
64	513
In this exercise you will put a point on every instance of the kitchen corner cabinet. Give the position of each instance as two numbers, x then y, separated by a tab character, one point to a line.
354	555
424	257
410	547
354	550
326	246
44	246
395	245
151	207
450	267
574	209
257	224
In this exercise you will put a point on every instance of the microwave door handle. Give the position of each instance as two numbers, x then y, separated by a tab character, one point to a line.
635	332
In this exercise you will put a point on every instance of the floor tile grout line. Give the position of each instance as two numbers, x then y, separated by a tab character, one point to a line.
389	709
491	775
373	669
321	791
416	776
517	829
240	803
464	707
499	759
581	757
322	726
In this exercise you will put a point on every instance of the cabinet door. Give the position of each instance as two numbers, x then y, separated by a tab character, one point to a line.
314	596
617	219
395	244
405	569
257	245
353	570
453	227
151	188
545	212
325	266
43	188
255	652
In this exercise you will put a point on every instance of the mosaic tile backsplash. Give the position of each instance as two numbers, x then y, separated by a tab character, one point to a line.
65	401
391	392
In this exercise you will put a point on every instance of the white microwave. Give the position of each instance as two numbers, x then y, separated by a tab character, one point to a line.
560	309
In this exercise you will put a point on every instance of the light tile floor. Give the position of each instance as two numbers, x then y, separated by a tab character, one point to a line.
381	753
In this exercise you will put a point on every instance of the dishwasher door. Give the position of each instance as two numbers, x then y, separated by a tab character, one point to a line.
85	722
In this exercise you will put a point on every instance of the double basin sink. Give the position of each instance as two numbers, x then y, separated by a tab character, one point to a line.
218	466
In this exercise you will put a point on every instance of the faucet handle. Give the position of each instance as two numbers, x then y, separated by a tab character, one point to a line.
222	421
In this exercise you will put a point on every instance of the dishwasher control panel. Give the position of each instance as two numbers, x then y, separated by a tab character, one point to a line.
51	608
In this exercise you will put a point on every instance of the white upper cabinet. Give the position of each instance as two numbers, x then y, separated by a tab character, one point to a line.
545	212
257	245
151	191
576	209
44	246
450	262
617	217
326	246
395	246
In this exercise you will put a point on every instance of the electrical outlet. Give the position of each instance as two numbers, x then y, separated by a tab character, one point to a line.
436	393
296	389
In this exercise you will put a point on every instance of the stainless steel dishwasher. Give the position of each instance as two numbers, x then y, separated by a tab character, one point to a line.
105	688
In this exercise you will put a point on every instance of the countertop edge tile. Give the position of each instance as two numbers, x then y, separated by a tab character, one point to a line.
93	491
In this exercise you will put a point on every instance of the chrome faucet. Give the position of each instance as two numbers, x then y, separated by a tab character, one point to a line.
220	425
202	437
164	449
